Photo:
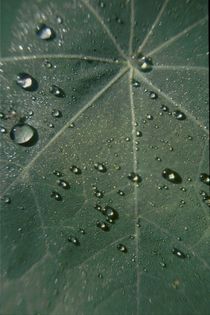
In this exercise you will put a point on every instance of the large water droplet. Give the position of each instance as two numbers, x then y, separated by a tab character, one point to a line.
134	177
178	253
100	167
205	178
110	213
179	115
171	176
122	248
26	82
24	134
153	95
145	63
45	32
56	113
57	91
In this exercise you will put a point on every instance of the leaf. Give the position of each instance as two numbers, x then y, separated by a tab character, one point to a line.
164	226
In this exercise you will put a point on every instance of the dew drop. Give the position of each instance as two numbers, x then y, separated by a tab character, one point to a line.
98	193
82	231
57	173
23	134
2	115
149	117
100	167
56	195
135	178
26	82
138	133
73	240
48	64
135	83
3	130
164	108
122	248
205	178
6	200
56	91
179	115
145	63
178	253
76	170
45	32
102	225
59	19
171	176
153	95
121	193
110	213
62	183
56	113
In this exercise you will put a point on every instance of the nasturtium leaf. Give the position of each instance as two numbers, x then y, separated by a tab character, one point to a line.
104	212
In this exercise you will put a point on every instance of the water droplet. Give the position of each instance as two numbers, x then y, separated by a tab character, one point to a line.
59	19
205	178
56	91
45	32
82	231
6	200
98	193
48	64
56	195
100	276
2	116
163	264
178	253
179	115
56	113
110	213
73	240
100	167
121	193
24	134
153	95
122	248
76	170
149	117
171	176
164	108
26	82
138	133
145	63
135	83
57	173
102	225
62	183
3	130
135	178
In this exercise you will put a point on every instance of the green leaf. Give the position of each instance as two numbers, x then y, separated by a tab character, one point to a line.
105	117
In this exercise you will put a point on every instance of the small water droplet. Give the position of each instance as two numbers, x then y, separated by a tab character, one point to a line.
45	32
57	173
135	83
56	195
47	64
56	113
59	19
26	82
102	225
178	253
171	176
179	115
164	108
145	63
149	117
98	193
153	95
135	178
23	134
163	264
57	91
73	240
6	200
3	130
100	276
100	167
138	133
122	248
2	115
82	231
76	170
63	183
110	213
121	193
205	178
